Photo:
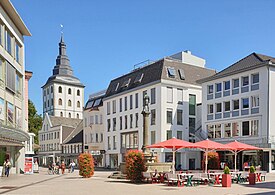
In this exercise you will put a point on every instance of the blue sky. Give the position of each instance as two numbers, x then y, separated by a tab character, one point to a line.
106	38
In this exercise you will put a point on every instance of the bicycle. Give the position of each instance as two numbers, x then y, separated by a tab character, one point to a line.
52	171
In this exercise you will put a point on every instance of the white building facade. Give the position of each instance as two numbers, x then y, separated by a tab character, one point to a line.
237	105
13	119
174	95
93	135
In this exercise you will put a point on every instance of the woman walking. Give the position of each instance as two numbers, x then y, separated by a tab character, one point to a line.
7	167
63	167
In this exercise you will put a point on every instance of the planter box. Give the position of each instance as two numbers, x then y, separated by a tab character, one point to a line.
226	180
252	178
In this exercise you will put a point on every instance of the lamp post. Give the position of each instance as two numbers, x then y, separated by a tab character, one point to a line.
145	112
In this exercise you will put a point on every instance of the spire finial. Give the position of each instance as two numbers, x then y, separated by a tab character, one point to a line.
61	30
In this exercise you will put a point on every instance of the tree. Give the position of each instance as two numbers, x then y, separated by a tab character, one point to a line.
86	165
35	121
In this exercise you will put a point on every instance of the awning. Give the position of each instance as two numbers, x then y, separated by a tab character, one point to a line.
12	134
10	143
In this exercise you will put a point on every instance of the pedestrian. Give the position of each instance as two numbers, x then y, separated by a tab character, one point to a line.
7	167
63	167
72	167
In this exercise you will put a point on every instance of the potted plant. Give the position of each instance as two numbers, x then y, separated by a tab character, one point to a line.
86	165
135	165
226	177
252	176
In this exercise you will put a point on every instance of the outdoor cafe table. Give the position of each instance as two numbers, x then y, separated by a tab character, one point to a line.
217	177
161	177
238	174
189	177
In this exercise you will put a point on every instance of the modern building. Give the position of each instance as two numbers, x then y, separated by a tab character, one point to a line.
55	130
238	105
63	93
13	111
174	96
94	129
72	146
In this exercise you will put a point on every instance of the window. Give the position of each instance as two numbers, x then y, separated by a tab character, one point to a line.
125	103
114	142
210	89
78	92
182	75
47	91
168	134
114	124
136	100
61	114
180	96
136	119
17	52
120	104
8	42
245	128
138	79
69	91
192	104
169	116
179	117
169	95
210	109
131	120
126	83
125	122
235	129
120	123
101	137
179	134
245	104
77	116
153	95
153	137
109	143
254	127
226	106
69	103
245	81
218	87
51	89
70	115
100	119
218	131
52	101
236	105
2	69
235	83
78	104
226	85
92	120
255	101
108	108
218	107
108	125
131	102
10	77
153	116
255	78
192	126
171	72
114	106
59	89
96	119
18	84
227	130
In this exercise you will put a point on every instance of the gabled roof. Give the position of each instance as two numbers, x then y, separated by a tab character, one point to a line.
63	121
155	72
76	136
251	61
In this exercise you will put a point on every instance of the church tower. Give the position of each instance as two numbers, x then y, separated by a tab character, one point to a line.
63	94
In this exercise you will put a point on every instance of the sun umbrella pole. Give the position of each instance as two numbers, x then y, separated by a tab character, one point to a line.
206	160
173	163
235	161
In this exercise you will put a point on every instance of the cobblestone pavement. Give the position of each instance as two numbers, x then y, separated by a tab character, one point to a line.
99	184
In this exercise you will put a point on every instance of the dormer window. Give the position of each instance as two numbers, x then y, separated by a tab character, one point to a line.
139	78
171	72
117	86
182	75
126	83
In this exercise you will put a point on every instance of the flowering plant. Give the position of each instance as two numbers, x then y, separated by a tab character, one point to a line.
213	160
135	165
86	165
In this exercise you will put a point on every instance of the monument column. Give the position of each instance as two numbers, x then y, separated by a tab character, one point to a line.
145	112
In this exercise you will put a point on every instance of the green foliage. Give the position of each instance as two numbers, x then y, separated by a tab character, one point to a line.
86	165
213	161
252	169
35	121
226	170
135	165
